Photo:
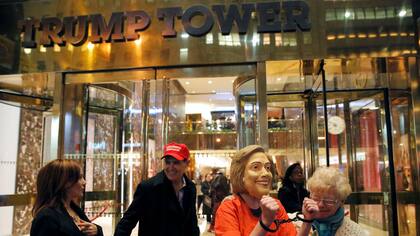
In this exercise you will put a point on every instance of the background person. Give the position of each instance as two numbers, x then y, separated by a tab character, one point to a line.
165	203
55	212
200	196
292	191
219	189
250	211
329	189
205	189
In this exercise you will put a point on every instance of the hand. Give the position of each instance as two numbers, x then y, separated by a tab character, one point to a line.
309	208
88	228
269	208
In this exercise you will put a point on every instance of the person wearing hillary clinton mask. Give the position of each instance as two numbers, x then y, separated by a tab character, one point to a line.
250	211
165	203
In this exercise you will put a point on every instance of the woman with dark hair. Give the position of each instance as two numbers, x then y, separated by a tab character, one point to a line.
59	184
292	192
250	211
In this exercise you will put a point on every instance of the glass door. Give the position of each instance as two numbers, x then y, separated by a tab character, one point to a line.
288	132
107	118
358	145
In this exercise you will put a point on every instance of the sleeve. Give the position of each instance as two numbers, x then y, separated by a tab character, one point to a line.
45	224
133	213
100	231
287	228
227	220
195	229
284	196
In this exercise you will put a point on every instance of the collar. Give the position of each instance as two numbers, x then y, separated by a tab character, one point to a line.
161	178
184	182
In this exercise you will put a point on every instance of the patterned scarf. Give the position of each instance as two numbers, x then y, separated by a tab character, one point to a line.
328	226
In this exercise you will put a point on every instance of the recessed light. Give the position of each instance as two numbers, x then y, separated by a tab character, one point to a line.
402	13
187	83
347	14
210	82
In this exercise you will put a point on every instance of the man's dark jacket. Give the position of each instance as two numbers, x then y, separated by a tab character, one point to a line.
157	209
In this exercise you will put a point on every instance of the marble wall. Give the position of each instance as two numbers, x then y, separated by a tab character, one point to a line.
28	163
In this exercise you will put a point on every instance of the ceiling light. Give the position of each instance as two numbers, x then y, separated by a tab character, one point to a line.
347	14
402	13
187	83
137	42
213	91
210	82
90	46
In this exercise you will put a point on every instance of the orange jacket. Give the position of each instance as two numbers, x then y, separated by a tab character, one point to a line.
234	218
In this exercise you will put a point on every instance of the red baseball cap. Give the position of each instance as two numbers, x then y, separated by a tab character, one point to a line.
178	151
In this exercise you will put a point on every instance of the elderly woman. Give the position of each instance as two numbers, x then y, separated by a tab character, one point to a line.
59	184
250	211
328	190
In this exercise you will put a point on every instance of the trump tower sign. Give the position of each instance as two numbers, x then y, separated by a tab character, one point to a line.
128	25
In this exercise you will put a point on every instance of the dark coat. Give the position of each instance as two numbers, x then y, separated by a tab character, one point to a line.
57	222
157	209
220	188
205	189
292	197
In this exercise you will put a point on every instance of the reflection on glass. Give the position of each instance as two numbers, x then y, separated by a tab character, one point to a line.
202	114
361	137
286	131
406	194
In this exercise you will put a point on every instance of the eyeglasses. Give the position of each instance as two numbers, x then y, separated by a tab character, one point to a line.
327	202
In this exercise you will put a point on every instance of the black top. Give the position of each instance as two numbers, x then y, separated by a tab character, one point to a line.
158	211
220	188
292	197
53	221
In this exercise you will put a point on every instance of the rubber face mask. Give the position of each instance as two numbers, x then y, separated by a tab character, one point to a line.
257	177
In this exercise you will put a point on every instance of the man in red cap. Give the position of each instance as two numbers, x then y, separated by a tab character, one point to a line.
165	203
